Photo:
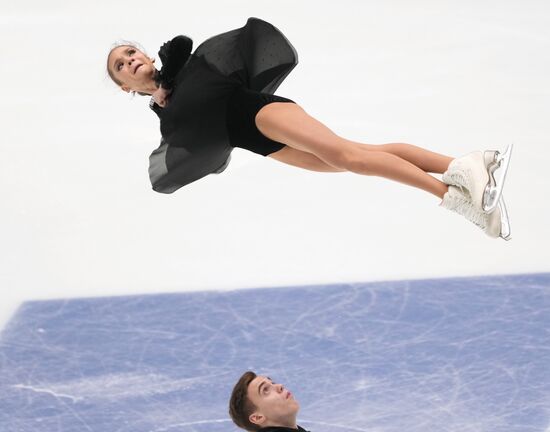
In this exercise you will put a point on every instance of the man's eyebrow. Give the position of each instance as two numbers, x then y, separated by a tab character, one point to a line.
260	387
263	382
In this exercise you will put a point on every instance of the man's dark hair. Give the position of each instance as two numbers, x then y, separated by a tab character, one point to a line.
240	407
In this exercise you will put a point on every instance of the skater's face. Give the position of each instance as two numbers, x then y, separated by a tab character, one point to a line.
275	405
130	68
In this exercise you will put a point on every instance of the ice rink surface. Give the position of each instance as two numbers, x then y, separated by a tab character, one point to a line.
453	355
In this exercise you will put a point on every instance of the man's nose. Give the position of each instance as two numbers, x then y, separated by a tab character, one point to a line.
280	388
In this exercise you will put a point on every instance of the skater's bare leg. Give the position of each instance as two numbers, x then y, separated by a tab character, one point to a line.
302	159
424	159
289	124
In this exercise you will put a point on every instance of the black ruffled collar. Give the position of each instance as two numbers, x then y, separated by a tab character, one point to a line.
173	55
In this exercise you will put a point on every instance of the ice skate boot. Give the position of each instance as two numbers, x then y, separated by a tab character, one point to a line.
482	175
495	224
458	200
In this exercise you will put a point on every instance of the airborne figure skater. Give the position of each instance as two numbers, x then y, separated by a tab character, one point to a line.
220	96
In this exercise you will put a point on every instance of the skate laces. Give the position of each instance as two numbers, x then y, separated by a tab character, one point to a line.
455	200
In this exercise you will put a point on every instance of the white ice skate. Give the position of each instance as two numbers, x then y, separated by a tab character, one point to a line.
495	224
482	175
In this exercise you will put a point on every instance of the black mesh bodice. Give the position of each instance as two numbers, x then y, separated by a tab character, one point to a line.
194	141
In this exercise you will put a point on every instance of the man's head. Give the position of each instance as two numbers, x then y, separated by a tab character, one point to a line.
257	402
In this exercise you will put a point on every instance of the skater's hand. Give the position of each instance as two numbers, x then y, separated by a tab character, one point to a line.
161	96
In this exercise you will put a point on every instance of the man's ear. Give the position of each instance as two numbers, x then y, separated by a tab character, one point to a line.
257	418
125	88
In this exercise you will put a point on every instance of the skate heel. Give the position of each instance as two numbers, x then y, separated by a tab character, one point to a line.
505	230
497	166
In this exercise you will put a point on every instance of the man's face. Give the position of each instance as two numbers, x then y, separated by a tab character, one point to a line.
275	405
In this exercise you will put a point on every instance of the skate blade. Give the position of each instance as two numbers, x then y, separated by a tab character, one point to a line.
505	230
497	169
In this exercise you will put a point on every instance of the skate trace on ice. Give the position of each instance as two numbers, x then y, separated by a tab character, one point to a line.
452	355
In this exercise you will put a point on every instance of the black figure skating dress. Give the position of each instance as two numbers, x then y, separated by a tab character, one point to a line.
216	92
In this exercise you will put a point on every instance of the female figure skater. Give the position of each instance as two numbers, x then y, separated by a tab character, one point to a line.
221	96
